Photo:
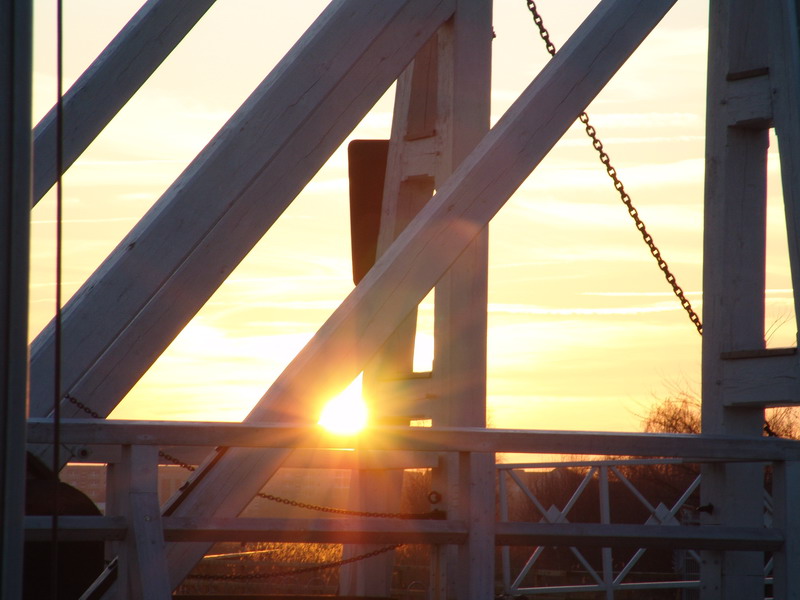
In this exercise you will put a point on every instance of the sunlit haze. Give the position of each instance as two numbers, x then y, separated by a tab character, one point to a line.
584	333
347	412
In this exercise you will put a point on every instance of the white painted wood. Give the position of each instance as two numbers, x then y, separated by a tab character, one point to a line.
786	519
15	184
475	577
733	281
158	277
110	81
698	448
145	548
460	321
391	531
300	458
638	536
749	102
762	381
73	528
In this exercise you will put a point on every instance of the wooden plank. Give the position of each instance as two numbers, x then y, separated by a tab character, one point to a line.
149	577
638	536
16	33
786	519
110	81
75	529
700	448
460	319
762	381
733	280
391	531
158	277
749	102
476	505
301	458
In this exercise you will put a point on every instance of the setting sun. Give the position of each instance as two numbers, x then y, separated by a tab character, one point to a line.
347	412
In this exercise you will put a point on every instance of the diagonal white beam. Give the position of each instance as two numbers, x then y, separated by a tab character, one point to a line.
110	81
422	253
160	275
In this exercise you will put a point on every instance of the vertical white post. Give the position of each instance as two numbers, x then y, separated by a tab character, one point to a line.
605	518
15	201
734	275
460	314
786	498
506	554
143	559
477	508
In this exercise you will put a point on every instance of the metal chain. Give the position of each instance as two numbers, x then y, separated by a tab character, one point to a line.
624	196
431	515
82	406
435	515
96	415
298	571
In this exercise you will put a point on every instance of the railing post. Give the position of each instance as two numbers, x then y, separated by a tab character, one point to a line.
142	560
605	518
506	554
477	507
786	499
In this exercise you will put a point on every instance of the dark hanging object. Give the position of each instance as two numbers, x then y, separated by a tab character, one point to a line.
79	563
367	171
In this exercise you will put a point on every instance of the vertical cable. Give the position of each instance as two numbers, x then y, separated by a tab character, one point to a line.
54	555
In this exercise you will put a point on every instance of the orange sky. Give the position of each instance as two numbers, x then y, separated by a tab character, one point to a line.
583	330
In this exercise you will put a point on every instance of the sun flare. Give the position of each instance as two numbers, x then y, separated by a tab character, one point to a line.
347	412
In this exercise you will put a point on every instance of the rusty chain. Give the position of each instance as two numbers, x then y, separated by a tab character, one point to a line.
300	570
624	196
434	515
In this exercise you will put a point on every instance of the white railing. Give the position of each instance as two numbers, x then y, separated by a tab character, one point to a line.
136	522
606	579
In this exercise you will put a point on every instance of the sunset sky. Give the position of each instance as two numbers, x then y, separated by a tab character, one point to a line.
584	333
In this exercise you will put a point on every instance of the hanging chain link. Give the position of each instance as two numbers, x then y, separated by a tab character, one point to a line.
82	406
434	515
624	196
300	570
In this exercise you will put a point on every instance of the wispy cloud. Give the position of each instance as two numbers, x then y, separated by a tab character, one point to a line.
531	309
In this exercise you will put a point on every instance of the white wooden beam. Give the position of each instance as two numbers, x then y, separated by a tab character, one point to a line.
693	448
110	81
392	531
474	577
147	566
786	519
770	377
734	257
16	26
158	277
